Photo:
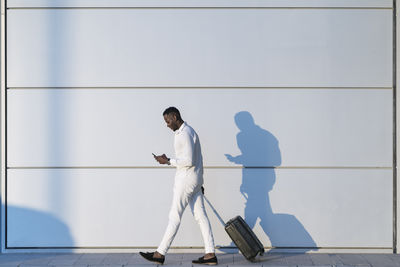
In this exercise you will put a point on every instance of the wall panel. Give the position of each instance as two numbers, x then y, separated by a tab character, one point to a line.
115	207
199	47
123	127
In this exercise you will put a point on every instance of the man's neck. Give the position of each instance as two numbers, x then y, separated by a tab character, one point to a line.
180	124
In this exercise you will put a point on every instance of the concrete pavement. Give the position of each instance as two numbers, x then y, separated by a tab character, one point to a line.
184	260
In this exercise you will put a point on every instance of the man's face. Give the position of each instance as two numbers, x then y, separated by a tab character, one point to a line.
171	121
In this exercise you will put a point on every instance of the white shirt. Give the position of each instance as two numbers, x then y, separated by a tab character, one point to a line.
188	159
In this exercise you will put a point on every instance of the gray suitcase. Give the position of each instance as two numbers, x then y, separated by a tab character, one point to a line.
244	238
241	234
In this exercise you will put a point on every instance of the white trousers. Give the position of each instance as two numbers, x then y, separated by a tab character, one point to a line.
185	194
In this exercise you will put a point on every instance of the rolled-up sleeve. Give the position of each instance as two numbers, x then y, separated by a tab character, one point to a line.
185	151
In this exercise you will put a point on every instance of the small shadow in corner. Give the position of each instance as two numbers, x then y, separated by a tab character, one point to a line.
29	228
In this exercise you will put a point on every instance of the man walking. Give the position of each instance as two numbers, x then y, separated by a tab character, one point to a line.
187	188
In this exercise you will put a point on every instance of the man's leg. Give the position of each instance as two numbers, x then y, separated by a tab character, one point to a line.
200	215
179	203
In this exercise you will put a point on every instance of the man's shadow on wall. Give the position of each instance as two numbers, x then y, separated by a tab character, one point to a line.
260	155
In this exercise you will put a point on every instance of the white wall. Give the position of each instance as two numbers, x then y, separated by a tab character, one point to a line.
87	87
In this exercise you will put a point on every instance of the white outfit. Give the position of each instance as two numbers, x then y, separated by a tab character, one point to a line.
187	188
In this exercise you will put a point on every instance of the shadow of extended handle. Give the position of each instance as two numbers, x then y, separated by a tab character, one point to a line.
215	211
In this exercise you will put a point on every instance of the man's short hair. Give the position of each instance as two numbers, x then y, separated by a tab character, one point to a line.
174	111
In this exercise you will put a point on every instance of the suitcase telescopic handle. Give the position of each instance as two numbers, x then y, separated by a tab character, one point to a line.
214	210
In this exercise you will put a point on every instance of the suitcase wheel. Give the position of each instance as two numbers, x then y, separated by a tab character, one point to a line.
253	259
262	252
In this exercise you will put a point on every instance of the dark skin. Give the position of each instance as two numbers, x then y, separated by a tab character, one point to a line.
174	124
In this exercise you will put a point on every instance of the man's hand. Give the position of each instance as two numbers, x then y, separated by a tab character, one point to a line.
163	159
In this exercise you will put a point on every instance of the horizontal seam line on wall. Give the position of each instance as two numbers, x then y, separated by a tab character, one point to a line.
203	7
196	87
205	167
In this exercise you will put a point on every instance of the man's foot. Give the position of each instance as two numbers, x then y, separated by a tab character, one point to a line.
207	260
153	256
